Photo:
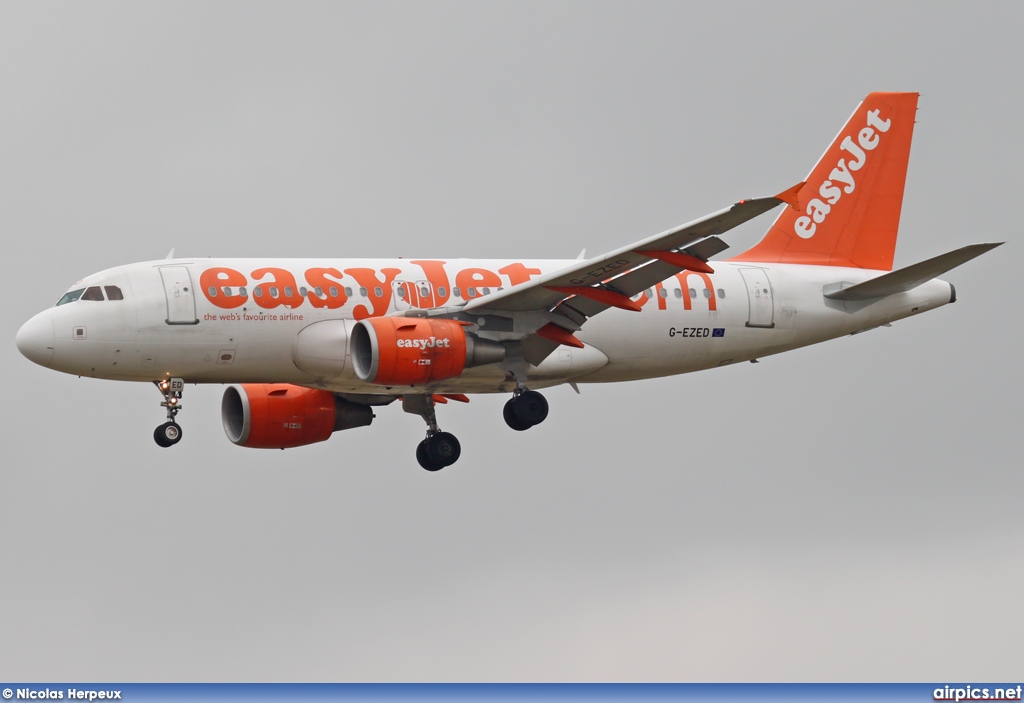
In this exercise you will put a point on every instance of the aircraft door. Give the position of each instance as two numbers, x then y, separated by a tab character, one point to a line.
759	296
181	302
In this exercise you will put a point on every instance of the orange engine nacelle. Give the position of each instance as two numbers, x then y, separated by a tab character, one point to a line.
279	415
412	351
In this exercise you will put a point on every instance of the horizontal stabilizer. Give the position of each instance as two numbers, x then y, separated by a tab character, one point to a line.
904	279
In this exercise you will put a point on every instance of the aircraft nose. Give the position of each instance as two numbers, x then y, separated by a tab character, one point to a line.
35	339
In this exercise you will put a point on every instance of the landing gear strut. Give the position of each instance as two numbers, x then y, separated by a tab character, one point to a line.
169	433
525	409
439	449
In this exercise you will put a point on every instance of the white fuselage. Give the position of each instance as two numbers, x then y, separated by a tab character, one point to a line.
170	325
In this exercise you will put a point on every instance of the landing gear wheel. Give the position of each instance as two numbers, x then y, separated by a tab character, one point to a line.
438	451
526	410
167	434
424	459
531	408
508	412
444	448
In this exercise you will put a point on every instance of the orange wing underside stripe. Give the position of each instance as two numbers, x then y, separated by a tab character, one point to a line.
601	295
554	333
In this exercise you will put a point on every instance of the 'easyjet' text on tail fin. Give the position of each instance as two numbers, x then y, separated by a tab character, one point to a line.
848	212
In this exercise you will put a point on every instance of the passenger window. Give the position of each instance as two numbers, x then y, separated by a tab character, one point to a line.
257	291
212	290
348	292
471	292
226	290
334	292
92	293
663	293
424	291
273	291
319	291
456	292
649	293
401	292
362	292
241	291
442	291
485	291
287	291
113	293
378	291
693	293
71	296
707	293
679	292
721	292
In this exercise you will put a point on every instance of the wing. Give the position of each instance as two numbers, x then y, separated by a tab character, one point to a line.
610	279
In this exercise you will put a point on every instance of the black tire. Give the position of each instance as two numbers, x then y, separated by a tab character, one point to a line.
508	412
167	434
530	408
444	448
424	459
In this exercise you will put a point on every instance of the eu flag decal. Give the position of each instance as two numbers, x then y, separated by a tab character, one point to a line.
718	332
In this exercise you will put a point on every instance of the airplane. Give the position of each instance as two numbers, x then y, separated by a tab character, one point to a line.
311	347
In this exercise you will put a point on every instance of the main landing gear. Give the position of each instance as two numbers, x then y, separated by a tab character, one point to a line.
169	433
439	449
525	409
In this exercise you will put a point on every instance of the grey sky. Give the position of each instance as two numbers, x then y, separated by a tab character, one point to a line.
849	511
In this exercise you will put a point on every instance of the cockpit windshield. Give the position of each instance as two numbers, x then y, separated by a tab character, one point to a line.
71	296
92	293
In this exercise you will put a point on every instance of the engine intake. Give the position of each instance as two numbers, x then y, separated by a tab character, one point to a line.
280	415
411	351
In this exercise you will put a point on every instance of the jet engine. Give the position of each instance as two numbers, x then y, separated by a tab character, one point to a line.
411	351
280	415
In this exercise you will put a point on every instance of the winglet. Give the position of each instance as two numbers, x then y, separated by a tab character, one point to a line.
170	254
788	196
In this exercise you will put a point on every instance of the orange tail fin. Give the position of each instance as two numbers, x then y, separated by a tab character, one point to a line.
848	212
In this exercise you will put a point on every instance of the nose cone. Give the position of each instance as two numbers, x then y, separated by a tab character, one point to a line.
35	339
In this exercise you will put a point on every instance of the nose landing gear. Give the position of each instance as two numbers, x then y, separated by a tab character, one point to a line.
169	433
439	449
524	410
